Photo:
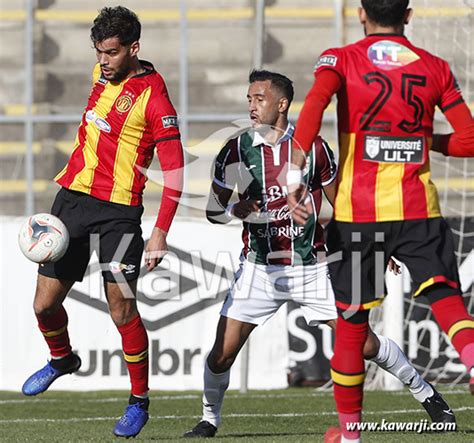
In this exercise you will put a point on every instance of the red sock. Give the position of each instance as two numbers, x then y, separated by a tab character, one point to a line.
54	330
135	353
348	372
453	318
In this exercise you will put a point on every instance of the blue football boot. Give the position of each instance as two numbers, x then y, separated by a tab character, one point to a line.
133	419
42	379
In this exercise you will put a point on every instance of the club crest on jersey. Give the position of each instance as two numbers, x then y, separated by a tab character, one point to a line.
169	121
387	55
326	60
123	103
372	146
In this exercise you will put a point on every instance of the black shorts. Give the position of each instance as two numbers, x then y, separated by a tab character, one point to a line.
88	220
425	246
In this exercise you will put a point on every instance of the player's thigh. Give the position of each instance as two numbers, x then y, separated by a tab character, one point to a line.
426	247
359	253
70	208
50	294
314	294
252	296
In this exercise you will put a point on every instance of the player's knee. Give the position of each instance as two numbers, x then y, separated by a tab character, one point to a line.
219	363
43	309
123	314
371	346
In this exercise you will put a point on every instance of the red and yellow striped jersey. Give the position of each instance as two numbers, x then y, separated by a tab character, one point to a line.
121	124
386	106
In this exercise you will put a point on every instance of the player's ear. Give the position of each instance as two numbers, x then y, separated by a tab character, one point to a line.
134	48
283	105
362	14
408	16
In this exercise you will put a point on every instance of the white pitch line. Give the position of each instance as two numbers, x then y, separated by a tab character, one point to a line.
195	396
186	417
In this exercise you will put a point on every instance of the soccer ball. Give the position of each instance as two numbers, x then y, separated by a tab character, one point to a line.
43	238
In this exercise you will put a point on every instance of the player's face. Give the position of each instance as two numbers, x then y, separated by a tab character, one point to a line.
263	103
115	60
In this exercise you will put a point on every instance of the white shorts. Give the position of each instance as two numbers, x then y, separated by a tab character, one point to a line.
258	291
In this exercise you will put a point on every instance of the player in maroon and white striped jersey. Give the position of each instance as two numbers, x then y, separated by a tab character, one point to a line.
280	260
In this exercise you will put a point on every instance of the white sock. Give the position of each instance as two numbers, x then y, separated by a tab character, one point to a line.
391	358
215	386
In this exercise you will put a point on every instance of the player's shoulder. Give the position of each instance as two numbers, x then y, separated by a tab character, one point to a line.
96	73
428	56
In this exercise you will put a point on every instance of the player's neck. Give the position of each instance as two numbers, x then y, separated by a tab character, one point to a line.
372	28
277	131
137	68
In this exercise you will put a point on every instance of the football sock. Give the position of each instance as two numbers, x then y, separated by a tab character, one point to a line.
54	330
453	318
135	353
349	440
392	359
215	386
143	401
348	373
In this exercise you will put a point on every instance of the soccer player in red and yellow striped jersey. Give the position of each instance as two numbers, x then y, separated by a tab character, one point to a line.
387	91
128	116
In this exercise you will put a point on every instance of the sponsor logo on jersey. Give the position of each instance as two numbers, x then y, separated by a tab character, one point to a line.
90	115
392	149
276	192
169	121
387	55
326	60
288	231
102	124
123	103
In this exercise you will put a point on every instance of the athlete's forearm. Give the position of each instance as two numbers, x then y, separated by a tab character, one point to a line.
170	154
326	84
460	143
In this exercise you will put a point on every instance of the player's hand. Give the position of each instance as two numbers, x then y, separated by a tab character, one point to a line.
156	248
393	267
244	208
299	204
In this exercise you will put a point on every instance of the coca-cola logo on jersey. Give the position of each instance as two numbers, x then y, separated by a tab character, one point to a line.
279	214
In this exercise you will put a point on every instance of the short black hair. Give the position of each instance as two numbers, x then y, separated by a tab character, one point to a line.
116	22
279	81
386	12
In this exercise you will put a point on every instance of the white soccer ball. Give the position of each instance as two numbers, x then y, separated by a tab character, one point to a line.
43	238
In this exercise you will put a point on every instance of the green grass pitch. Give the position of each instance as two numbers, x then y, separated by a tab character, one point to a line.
290	415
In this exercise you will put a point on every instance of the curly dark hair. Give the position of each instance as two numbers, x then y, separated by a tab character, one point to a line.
116	22
279	81
386	12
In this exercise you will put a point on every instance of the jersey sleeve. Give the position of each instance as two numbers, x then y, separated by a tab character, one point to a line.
161	115
451	92
330	59
226	166
325	163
